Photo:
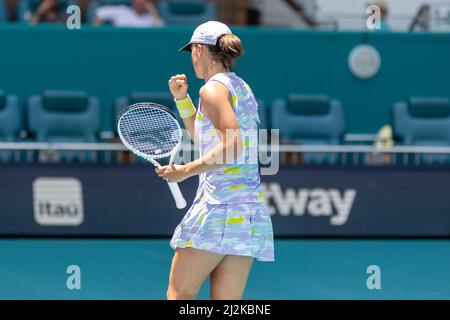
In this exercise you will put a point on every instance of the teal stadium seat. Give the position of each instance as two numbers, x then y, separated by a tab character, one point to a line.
64	116
10	117
187	12
3	11
308	119
10	122
423	121
25	8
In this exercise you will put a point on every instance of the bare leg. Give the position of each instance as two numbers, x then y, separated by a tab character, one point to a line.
229	279
189	270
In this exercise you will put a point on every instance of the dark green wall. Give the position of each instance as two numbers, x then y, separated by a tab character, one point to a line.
111	62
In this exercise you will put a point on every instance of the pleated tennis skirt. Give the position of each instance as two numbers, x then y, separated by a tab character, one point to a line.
231	229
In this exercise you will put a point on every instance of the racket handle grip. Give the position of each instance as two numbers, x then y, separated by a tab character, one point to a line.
180	202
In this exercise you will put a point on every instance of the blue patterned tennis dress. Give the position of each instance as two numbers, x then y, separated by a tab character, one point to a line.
229	215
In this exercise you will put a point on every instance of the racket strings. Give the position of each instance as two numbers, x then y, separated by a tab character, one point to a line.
150	131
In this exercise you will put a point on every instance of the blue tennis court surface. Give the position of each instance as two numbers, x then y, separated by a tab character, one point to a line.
305	269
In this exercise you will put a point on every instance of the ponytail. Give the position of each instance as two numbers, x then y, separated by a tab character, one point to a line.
228	49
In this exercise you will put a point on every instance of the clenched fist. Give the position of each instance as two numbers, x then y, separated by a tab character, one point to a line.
178	86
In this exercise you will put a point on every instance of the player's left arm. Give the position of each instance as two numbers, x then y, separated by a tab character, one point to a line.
216	105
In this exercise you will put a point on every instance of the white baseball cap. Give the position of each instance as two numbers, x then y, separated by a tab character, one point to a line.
207	33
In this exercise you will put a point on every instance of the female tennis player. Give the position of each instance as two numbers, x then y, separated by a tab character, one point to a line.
228	224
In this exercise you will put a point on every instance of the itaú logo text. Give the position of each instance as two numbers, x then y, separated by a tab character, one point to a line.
317	202
58	201
58	209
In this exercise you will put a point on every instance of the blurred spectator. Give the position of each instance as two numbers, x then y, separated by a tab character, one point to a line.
384	12
273	13
49	11
232	12
254	12
142	13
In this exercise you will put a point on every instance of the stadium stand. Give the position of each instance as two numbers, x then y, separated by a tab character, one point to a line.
173	12
308	119
64	116
423	121
10	117
187	12
10	122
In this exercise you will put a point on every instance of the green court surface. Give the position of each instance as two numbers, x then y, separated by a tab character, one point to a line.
305	269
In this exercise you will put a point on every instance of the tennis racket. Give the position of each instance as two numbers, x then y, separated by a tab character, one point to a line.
151	131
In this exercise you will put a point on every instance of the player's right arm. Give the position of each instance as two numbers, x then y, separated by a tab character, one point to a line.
178	86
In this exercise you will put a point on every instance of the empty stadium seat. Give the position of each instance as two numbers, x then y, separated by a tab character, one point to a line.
423	121
10	122
308	119
10	117
3	11
64	116
187	12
